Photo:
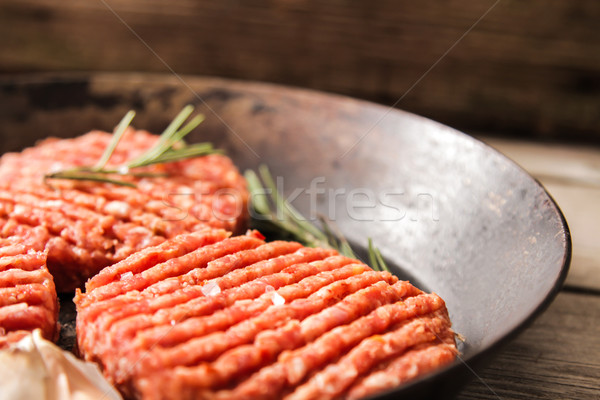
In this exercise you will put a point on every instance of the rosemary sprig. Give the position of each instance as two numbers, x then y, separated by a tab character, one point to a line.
117	135
277	213
274	213
170	147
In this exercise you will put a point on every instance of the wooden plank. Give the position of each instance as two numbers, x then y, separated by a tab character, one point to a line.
558	357
571	175
532	69
554	163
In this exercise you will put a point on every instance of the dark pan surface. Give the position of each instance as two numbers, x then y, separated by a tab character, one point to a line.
450	213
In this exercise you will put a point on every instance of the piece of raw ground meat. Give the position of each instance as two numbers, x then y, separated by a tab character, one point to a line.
91	225
238	318
27	294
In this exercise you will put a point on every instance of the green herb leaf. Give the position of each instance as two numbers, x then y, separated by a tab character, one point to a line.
170	147
257	194
117	135
278	215
86	176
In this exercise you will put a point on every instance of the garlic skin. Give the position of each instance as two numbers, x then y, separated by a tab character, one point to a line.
35	368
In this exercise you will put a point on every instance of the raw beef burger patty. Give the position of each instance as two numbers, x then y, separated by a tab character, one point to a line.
204	316
91	225
27	294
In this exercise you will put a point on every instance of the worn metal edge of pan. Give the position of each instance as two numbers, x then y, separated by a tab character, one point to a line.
425	385
464	369
460	368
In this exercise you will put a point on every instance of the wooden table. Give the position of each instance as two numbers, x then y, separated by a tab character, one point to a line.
558	356
526	67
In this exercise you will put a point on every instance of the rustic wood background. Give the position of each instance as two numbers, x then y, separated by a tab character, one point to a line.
528	69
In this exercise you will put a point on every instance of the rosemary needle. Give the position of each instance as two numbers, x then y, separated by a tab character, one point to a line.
75	175
272	211
259	198
288	210
117	135
165	140
170	147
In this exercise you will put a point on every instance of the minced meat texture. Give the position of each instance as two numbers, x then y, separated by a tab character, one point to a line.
175	307
238	318
27	293
91	225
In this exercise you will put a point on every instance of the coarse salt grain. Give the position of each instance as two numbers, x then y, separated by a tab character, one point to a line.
211	289
126	275
19	209
55	167
54	203
277	299
123	170
117	208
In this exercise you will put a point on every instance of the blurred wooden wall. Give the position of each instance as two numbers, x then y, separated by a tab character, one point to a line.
530	69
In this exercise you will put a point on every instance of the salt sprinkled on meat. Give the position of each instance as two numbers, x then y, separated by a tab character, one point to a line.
323	385
185	190
54	203
91	226
277	299
20	210
126	275
211	289
284	322
123	170
55	167
118	208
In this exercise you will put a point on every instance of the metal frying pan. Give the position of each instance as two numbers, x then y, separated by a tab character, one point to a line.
447	211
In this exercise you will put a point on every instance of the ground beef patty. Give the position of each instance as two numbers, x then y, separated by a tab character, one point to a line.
91	225
204	316
27	294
